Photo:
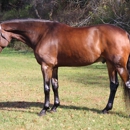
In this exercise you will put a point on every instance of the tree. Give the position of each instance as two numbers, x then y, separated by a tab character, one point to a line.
11	9
73	12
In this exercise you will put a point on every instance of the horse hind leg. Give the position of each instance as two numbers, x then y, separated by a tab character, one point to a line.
124	72
126	79
113	87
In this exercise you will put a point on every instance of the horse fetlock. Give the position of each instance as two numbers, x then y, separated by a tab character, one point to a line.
128	84
46	107
107	108
55	106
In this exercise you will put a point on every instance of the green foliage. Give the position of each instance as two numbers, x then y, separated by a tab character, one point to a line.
112	12
73	12
15	9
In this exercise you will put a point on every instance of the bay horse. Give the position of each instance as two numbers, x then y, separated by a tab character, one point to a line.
58	45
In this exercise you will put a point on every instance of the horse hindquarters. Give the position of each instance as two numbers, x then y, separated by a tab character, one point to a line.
124	72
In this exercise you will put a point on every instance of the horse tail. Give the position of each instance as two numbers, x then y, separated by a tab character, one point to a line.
126	89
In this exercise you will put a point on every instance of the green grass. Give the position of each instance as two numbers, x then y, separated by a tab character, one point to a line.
83	94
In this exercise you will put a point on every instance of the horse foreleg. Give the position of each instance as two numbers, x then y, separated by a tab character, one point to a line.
113	88
55	86
47	74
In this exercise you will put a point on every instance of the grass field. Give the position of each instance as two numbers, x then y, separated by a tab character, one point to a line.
83	93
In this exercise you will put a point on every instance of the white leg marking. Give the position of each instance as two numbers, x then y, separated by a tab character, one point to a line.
121	70
127	84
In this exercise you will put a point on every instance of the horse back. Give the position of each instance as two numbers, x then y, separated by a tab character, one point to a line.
86	45
69	46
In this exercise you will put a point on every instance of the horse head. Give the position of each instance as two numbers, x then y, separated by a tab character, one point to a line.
5	38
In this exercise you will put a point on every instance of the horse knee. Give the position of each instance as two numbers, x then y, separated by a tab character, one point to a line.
57	103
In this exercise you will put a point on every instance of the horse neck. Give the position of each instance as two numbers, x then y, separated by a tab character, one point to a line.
23	37
29	35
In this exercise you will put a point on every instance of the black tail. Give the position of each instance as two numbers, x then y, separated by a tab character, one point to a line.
126	89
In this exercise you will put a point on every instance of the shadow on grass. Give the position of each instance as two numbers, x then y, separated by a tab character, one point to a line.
21	106
93	74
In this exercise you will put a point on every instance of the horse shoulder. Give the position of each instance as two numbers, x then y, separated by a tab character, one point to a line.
46	51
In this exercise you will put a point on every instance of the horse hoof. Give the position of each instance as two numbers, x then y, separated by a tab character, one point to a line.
104	111
42	113
53	110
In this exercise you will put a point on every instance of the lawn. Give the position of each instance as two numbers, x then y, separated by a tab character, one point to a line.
83	94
